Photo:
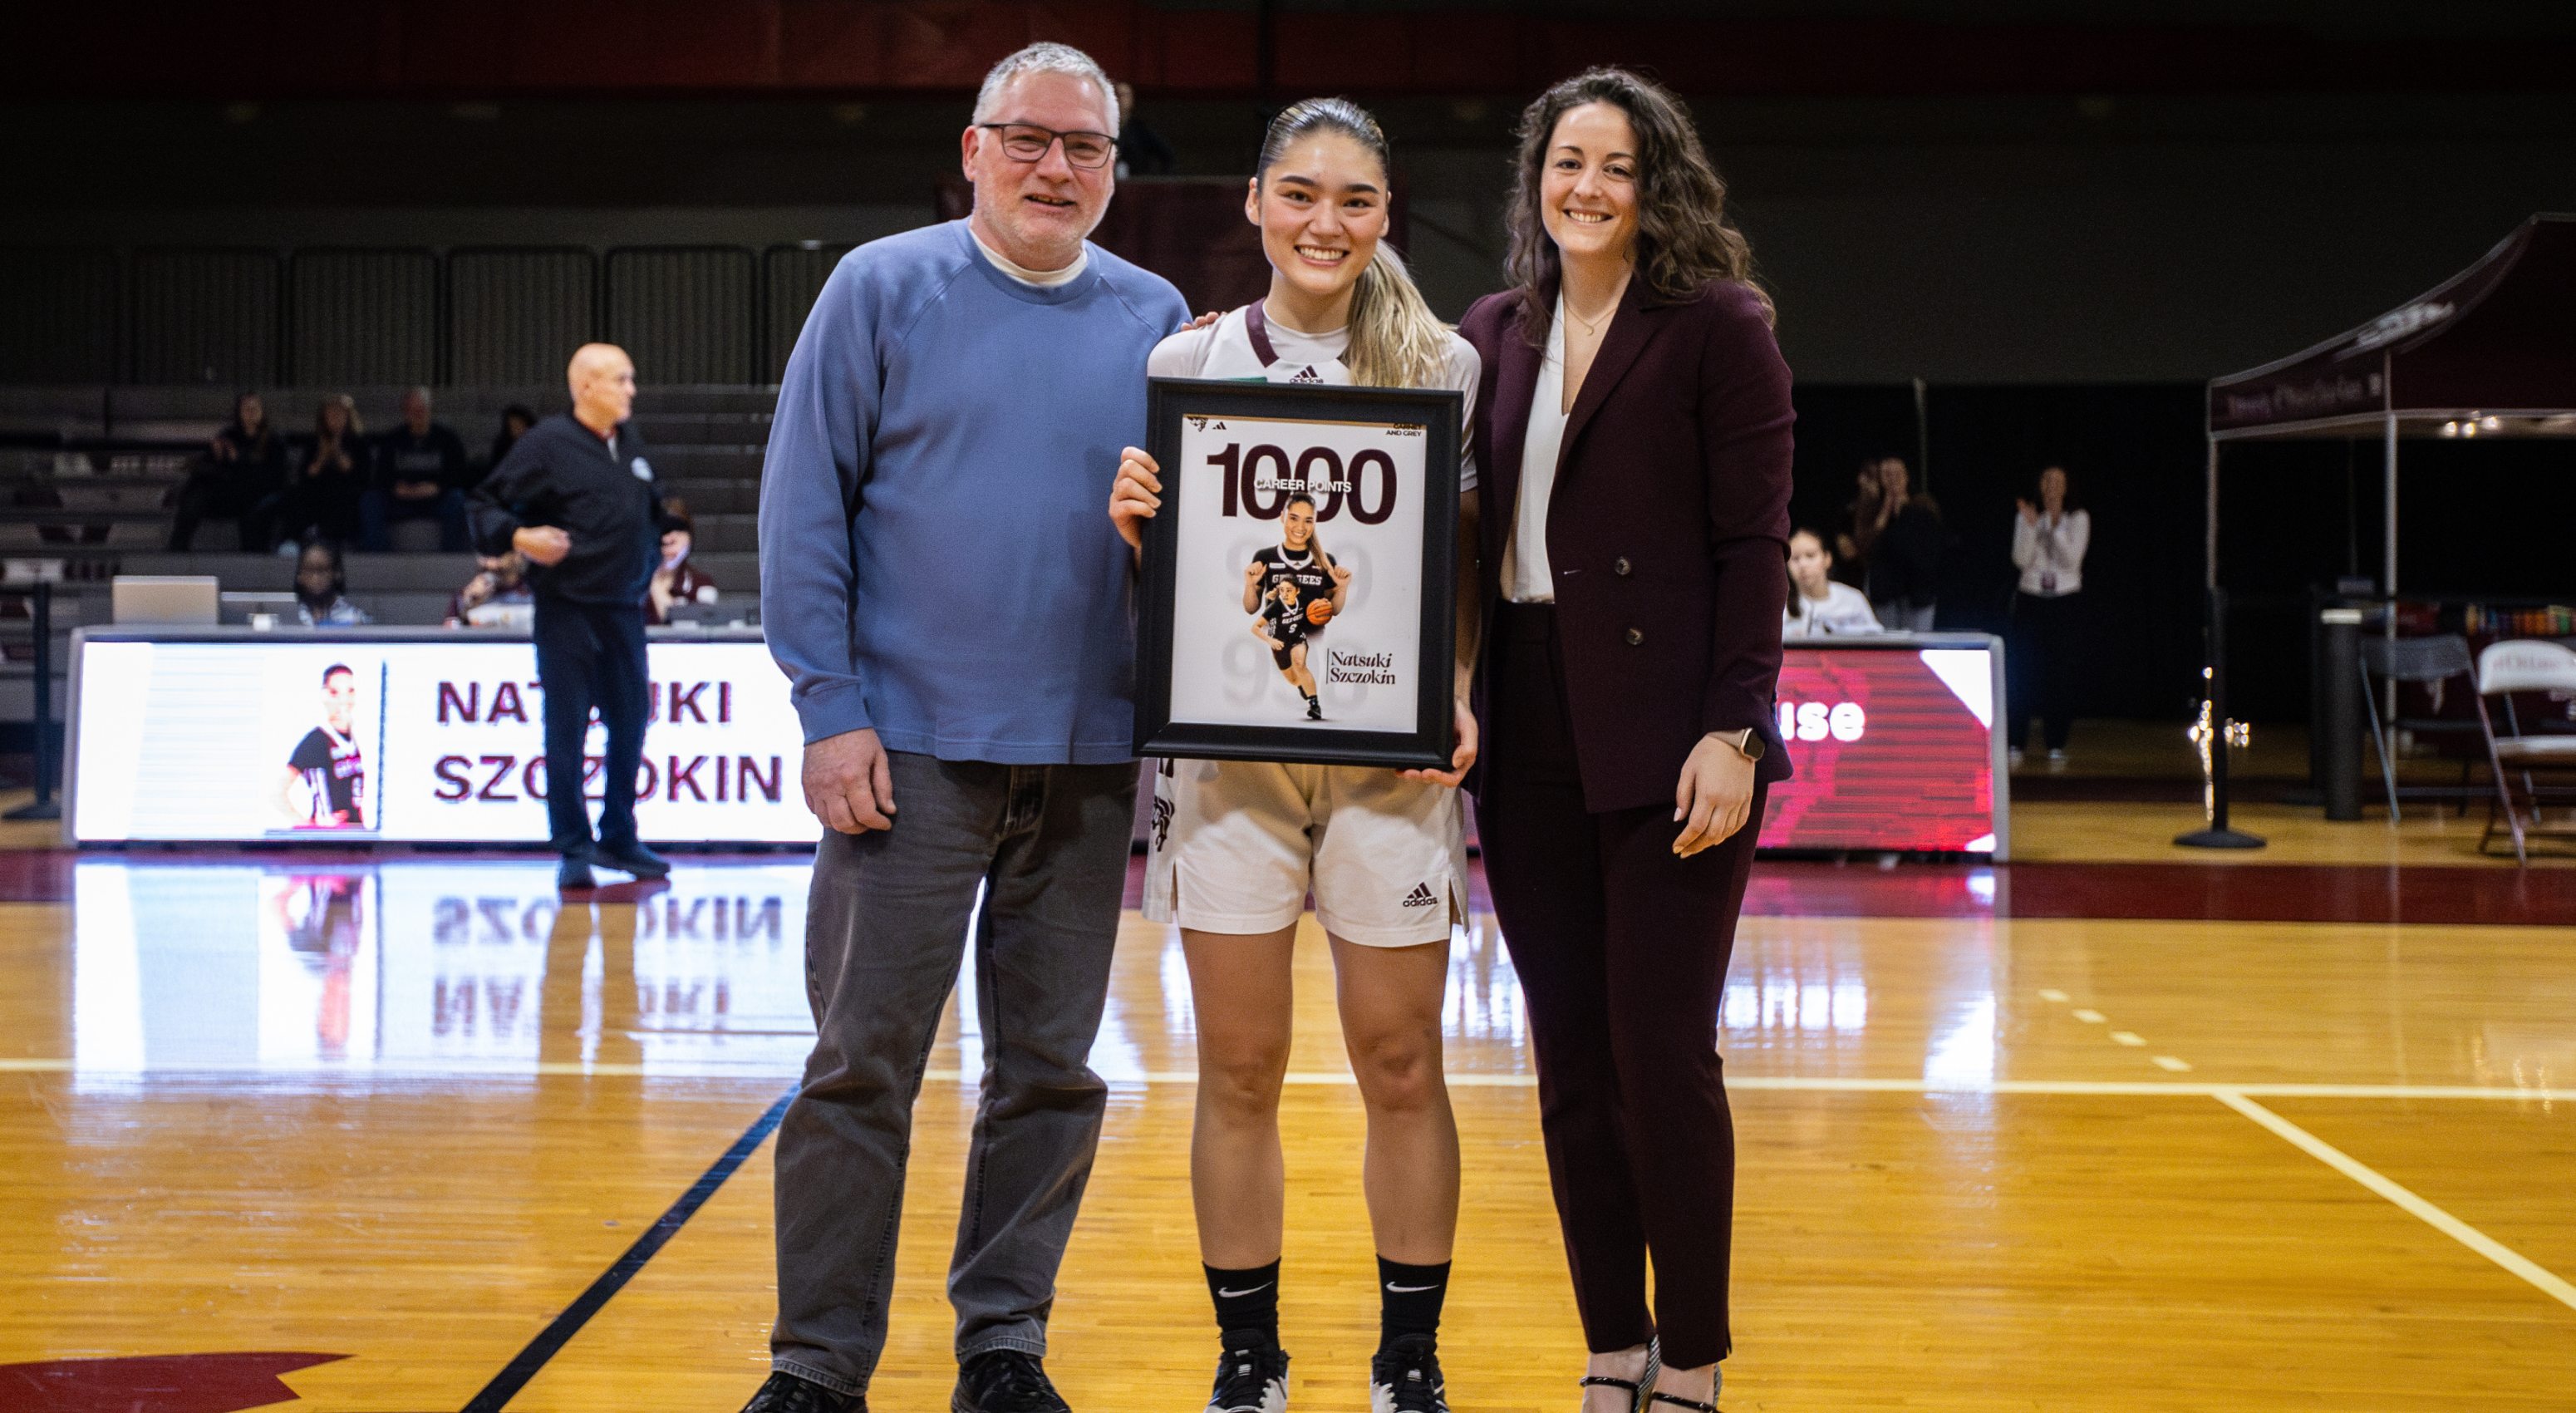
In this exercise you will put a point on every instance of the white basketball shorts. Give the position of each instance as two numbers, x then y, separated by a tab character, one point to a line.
1236	845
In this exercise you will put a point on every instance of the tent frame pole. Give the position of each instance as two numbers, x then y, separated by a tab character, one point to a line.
2209	543
2388	513
2213	733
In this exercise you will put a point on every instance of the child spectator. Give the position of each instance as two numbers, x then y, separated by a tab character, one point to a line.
1818	607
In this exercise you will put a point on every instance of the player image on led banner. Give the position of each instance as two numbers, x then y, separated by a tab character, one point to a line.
1300	574
324	783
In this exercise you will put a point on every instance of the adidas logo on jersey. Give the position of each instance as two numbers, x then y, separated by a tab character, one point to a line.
1307	374
1420	897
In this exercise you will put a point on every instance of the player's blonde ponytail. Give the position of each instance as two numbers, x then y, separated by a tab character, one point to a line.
1396	341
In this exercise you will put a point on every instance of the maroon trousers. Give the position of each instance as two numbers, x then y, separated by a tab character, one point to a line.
1621	950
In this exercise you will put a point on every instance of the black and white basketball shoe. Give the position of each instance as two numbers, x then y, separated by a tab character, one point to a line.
1252	1379
1406	1379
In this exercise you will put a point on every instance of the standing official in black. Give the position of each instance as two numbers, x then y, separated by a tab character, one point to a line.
576	496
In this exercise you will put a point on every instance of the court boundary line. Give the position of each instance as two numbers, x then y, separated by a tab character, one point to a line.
1827	1084
2548	1282
514	1376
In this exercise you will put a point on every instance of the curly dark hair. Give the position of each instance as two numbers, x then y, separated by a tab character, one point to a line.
1685	243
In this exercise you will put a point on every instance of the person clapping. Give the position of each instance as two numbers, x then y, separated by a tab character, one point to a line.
2049	541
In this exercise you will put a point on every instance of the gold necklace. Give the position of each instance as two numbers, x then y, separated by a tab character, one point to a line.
1591	327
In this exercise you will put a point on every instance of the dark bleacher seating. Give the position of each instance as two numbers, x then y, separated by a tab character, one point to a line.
87	475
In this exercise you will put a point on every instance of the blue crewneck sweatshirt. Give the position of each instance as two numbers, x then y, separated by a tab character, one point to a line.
936	557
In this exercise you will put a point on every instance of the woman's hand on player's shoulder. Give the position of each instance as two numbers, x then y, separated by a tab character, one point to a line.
1135	496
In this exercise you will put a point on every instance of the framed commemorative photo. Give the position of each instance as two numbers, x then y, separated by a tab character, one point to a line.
1299	590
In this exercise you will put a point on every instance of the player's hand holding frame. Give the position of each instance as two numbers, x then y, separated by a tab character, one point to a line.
1135	496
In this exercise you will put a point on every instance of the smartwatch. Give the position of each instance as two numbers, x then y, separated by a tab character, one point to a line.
1746	743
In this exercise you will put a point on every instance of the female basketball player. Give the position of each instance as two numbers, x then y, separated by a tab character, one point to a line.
1380	849
1281	588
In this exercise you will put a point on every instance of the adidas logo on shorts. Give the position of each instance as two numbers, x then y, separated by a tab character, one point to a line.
1420	897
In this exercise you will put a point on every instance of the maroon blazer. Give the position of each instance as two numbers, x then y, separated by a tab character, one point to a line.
1667	531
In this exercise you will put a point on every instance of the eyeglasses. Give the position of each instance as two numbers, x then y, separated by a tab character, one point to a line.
1027	142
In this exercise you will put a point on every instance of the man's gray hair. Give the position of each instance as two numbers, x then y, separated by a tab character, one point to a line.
1046	57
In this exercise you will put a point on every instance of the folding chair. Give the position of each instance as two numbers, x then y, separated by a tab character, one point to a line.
2525	665
2422	660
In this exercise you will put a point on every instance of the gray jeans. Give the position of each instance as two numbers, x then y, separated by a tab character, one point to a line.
885	935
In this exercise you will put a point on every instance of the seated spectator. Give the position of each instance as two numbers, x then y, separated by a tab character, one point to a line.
241	468
675	579
497	597
321	590
515	422
419	475
1818	606
321	502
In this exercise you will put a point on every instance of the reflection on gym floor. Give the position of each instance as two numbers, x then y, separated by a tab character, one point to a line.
427	968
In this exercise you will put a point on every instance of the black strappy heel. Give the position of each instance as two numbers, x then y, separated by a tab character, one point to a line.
1639	1389
1678	1401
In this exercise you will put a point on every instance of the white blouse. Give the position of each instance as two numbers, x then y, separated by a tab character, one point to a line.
2049	552
1526	578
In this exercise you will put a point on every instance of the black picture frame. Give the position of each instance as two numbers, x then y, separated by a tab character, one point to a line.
1440	412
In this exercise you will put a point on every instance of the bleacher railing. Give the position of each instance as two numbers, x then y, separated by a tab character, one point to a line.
48	765
241	317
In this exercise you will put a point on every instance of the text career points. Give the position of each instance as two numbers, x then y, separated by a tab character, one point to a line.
1367	485
674	702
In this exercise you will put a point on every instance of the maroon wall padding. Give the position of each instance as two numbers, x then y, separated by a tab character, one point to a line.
1189	232
263	49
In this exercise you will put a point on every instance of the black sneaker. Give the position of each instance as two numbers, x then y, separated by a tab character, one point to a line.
574	874
1314	708
786	1393
1251	1377
1005	1381
633	858
1406	1379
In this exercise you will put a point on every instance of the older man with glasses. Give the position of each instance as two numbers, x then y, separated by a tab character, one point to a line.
941	589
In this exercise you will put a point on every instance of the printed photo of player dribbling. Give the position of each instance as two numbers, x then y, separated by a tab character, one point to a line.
1292	591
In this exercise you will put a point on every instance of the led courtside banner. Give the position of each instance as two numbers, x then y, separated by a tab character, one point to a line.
189	735
1895	746
415	735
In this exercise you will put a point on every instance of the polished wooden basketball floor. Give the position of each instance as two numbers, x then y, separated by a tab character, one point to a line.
1993	1155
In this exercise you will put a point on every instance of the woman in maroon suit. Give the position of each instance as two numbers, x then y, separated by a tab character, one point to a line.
1634	425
